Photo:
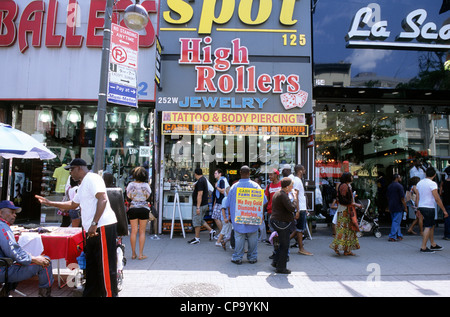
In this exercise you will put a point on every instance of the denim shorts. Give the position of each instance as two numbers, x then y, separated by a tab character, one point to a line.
428	216
301	221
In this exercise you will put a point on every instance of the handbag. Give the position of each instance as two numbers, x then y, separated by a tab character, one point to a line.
354	221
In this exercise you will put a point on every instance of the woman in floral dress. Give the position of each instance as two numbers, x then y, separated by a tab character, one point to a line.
347	226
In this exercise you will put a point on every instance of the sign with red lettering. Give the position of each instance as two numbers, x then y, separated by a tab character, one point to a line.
53	49
247	56
124	46
123	62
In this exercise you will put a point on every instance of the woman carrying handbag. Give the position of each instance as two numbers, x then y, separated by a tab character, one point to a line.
347	224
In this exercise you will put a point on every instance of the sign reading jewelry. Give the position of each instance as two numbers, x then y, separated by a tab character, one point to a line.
250	56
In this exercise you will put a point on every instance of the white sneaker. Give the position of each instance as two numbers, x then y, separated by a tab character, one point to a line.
194	241
211	234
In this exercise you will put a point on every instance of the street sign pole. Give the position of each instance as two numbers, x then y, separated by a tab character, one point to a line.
100	133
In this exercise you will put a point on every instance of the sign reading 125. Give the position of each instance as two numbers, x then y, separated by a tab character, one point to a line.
294	39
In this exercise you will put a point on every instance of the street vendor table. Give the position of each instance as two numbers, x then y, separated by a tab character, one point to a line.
58	243
63	243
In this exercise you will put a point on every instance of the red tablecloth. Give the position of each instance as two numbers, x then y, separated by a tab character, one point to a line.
63	243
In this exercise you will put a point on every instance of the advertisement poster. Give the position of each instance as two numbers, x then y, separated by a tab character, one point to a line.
249	206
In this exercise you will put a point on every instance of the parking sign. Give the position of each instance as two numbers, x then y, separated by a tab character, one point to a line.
123	59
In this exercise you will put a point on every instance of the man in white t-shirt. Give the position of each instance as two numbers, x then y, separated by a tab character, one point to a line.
417	170
301	211
99	222
428	197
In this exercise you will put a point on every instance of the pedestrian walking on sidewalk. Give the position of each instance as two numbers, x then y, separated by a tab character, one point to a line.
200	206
428	197
282	221
412	202
397	205
445	193
225	233
346	228
301	211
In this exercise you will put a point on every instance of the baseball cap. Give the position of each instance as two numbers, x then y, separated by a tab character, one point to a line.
10	205
275	171
76	162
286	167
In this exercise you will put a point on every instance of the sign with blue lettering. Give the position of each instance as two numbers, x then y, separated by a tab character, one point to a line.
123	95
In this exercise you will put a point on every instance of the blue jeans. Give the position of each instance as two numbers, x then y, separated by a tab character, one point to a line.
447	223
18	273
252	240
396	217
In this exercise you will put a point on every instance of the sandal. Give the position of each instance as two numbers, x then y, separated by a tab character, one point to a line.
349	253
142	257
224	245
133	257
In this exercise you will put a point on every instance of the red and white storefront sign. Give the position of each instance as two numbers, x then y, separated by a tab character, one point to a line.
52	49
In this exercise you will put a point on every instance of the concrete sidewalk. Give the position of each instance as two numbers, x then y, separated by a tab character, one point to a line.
380	268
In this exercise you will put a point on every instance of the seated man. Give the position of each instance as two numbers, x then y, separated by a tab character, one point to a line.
25	265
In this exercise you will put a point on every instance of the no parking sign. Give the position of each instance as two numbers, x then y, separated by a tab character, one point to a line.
122	86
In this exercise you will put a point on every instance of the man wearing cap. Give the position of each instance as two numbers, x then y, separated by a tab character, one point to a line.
99	222
25	265
243	232
271	189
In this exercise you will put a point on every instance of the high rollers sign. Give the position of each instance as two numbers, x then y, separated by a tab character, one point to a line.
236	55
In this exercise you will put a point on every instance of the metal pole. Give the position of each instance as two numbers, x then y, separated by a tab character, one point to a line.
100	133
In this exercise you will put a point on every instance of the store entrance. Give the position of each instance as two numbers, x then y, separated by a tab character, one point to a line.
26	179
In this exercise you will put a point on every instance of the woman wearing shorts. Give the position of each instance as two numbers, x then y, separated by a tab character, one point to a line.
138	192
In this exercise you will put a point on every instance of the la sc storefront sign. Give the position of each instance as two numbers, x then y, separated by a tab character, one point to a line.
369	30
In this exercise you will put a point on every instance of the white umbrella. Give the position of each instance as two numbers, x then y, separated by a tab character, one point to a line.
17	144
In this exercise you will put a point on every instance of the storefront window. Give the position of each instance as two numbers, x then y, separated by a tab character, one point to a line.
379	45
375	141
69	132
225	141
184	153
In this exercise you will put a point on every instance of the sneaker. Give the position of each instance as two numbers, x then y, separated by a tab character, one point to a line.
283	271
426	250
211	234
436	248
194	241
